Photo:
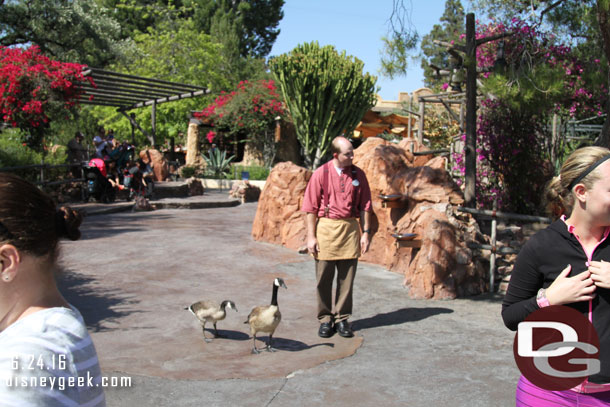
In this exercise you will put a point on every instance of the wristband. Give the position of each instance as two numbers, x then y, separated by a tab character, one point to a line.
366	231
541	299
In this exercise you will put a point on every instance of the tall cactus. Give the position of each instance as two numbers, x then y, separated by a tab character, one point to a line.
326	93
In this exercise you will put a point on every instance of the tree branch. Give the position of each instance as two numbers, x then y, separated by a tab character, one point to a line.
546	10
494	37
457	47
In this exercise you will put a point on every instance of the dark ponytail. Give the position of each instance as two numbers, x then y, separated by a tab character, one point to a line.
30	220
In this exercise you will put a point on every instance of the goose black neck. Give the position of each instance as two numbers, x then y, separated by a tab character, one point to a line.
274	296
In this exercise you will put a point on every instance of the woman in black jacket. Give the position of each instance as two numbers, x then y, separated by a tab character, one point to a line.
568	263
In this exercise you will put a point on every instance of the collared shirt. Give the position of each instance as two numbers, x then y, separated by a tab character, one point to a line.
341	192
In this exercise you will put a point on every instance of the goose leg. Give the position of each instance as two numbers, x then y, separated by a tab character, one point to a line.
255	351
205	338
216	331
269	348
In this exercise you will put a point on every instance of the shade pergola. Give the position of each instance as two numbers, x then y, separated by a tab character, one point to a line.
128	92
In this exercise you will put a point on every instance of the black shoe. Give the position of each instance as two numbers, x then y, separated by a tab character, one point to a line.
344	329
326	330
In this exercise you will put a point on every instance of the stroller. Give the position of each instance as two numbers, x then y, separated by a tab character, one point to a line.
97	184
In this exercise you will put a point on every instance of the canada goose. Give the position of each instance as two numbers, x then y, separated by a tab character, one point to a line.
266	318
210	311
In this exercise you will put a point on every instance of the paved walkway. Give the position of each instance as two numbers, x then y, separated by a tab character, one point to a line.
132	274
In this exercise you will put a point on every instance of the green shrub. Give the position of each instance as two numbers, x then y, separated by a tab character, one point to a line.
13	153
188	171
256	173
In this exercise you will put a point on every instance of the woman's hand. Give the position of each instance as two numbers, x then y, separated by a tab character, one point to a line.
600	273
566	290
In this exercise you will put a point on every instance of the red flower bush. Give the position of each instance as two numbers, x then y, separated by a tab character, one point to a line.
35	89
251	109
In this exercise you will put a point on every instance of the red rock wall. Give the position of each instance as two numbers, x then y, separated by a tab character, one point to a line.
278	217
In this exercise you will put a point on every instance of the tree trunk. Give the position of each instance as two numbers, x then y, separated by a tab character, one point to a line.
604	27
317	159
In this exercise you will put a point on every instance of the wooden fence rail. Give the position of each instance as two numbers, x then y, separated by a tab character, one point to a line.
494	215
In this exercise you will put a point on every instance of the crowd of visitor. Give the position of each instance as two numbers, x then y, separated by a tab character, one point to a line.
115	165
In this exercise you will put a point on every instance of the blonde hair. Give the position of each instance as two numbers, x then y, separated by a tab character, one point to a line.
558	192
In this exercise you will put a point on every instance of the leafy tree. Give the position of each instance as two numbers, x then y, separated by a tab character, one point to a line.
246	29
326	93
172	51
136	16
253	22
401	39
584	24
451	28
77	31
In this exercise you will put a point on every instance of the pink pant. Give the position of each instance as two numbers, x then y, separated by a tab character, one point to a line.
529	395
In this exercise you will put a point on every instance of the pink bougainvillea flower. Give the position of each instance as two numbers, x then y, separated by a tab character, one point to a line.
210	136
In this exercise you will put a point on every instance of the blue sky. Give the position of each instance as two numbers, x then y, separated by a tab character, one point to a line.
357	26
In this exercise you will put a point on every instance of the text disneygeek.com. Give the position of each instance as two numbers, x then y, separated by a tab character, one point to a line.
61	383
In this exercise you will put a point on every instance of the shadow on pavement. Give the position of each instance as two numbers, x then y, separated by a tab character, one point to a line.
489	297
227	334
397	317
96	306
104	226
291	345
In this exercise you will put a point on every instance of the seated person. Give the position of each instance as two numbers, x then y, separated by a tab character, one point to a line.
113	175
142	182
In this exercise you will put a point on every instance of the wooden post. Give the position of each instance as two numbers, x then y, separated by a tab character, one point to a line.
42	172
492	257
462	114
470	149
133	128
554	138
420	130
410	116
132	120
154	123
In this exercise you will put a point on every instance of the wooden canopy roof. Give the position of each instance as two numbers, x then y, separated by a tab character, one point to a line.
126	92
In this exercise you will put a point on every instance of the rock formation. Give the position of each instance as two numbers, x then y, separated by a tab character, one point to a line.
278	217
245	192
195	186
443	267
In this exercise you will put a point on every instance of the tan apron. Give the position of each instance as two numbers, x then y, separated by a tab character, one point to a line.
339	239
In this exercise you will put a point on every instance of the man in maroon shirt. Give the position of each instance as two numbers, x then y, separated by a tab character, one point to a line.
336	196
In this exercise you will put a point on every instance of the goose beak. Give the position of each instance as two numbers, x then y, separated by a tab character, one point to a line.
282	284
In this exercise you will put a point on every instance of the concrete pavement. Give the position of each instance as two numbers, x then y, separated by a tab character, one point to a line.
132	274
